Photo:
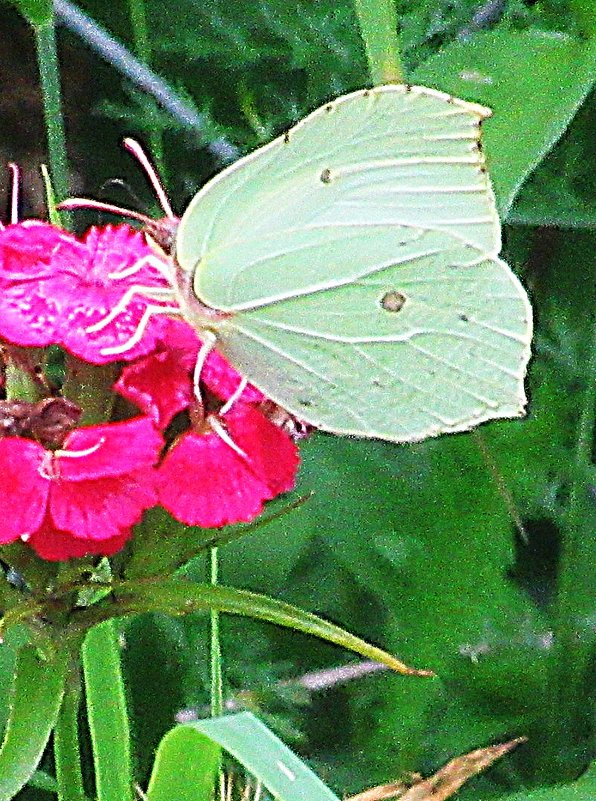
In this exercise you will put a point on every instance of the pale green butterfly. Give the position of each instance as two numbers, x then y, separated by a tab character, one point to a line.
349	269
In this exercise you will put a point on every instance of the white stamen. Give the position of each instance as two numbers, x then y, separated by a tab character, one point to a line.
225	437
234	397
14	192
80	454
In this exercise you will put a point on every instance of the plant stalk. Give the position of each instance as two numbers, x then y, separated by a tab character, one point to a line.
67	754
565	737
377	20
47	60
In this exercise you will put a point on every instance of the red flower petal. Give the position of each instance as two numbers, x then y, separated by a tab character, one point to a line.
158	385
23	488
112	449
202	482
99	509
56	546
272	455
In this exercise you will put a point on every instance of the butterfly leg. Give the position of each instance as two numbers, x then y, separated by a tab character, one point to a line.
234	396
164	268
153	293
221	432
209	340
149	312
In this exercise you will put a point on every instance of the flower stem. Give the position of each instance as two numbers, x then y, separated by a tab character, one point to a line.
142	48
216	672
565	734
47	60
377	20
216	669
67	754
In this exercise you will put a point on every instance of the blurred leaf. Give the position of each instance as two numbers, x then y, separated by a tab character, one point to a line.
445	782
157	664
265	757
584	789
534	82
562	190
107	714
186	766
37	690
36	12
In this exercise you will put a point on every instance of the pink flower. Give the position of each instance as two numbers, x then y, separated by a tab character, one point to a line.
160	384
227	465
53	287
83	498
204	482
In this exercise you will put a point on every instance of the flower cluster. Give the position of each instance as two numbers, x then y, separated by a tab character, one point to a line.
69	490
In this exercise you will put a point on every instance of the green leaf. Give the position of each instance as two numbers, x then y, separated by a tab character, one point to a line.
182	597
186	766
106	710
36	12
562	190
534	82
584	789
36	698
265	756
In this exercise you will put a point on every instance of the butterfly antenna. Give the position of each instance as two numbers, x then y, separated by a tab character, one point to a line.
72	203
135	149
14	192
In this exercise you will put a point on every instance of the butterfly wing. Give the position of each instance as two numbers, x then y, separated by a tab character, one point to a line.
434	344
357	257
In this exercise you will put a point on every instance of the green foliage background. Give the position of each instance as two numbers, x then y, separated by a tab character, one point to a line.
414	548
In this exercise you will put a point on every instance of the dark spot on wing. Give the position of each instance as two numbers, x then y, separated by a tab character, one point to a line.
393	301
329	107
287	138
464	318
304	402
366	93
408	87
325	176
450	99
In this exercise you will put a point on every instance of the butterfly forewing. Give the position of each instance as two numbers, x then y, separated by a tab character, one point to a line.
379	159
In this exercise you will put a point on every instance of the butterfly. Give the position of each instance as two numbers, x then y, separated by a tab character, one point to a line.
349	269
